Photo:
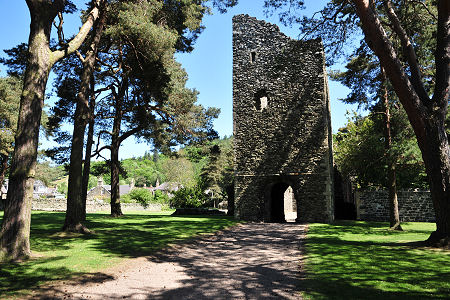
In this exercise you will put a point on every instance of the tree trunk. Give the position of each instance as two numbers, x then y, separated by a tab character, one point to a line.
116	210
394	218
74	212
87	165
426	115
15	232
76	198
437	164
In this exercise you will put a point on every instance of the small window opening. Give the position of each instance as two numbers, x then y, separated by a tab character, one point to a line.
252	56
261	100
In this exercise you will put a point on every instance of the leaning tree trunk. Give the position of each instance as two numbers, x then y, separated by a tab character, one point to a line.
76	206
15	230
394	217
427	116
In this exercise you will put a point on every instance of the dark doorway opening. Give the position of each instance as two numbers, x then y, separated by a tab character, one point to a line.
283	205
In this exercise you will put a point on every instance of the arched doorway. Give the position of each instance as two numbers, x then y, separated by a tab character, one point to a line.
283	205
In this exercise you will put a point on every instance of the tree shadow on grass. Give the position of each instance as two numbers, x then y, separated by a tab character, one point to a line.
29	275
343	267
137	235
129	236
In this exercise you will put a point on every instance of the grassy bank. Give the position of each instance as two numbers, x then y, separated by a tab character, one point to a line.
362	260
64	256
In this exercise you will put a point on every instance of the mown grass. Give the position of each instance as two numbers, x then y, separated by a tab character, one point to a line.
64	256
365	260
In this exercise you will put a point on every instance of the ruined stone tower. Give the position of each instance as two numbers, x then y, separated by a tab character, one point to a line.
282	128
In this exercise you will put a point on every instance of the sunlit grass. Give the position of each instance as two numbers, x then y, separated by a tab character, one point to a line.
362	260
62	256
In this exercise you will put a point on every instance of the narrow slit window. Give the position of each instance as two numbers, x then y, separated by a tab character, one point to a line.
252	56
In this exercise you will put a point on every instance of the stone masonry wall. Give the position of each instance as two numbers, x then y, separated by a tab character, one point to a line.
281	120
51	204
413	206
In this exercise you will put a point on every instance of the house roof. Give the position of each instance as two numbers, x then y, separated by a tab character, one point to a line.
168	186
123	188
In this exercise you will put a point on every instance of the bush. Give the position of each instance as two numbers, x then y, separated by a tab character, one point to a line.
160	197
188	198
142	196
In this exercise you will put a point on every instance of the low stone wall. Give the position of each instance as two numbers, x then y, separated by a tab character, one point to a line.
52	204
413	206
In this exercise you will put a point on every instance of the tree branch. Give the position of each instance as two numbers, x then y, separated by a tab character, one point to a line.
408	51
76	42
129	133
379	42
426	8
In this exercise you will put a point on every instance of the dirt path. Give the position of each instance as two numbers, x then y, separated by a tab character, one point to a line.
251	261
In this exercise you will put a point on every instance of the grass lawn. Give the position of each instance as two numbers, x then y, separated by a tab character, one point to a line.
365	260
65	256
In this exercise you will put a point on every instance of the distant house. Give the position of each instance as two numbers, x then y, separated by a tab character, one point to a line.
168	187
39	190
104	190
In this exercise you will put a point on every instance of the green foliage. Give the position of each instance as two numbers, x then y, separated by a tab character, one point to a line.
10	90
142	196
161	197
179	170
62	188
48	173
359	152
64	256
217	172
189	197
365	260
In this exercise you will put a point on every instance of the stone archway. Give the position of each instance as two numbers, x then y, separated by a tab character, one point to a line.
281	204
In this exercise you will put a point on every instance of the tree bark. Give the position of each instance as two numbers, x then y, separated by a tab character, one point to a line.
87	163
394	217
15	231
116	209
76	205
426	115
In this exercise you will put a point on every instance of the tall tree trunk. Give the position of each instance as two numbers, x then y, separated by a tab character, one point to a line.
87	164
74	212
394	218
15	232
427	116
437	164
76	206
116	210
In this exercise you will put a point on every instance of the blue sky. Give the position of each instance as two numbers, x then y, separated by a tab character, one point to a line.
209	66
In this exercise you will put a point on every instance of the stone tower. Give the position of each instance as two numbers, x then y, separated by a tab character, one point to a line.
282	126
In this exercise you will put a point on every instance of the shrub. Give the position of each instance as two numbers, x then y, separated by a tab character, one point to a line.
142	196
188	197
160	197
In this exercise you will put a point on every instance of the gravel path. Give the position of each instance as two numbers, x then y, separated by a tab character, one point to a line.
250	261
